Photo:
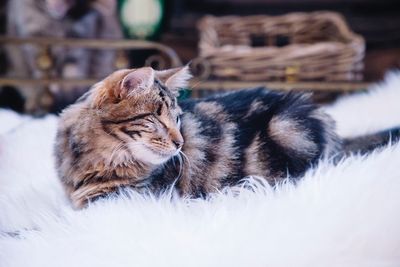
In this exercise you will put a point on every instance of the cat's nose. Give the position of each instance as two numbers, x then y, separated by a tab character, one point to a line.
176	138
178	143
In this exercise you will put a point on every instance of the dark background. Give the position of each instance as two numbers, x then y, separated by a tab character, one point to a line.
378	21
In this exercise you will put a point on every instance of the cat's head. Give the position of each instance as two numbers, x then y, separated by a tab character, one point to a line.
139	108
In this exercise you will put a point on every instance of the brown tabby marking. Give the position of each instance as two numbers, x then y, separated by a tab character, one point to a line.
291	135
254	165
95	149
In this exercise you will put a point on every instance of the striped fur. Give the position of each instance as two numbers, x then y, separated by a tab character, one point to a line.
129	131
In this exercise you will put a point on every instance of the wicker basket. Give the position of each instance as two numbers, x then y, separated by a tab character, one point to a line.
295	47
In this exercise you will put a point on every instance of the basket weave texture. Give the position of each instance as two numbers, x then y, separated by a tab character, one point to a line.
316	46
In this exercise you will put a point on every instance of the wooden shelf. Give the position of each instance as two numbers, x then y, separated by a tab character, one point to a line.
287	86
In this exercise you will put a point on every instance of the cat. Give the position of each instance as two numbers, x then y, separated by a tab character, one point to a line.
130	131
60	18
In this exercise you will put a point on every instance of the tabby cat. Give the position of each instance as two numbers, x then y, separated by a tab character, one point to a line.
130	131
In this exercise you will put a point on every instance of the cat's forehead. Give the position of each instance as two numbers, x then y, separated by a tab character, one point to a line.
156	88
137	88
164	93
142	100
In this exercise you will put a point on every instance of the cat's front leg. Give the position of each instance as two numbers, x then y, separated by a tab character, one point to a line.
90	192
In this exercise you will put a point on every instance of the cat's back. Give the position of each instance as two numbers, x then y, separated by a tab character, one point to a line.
258	132
246	103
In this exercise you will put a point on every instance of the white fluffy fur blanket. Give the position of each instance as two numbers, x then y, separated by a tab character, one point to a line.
345	215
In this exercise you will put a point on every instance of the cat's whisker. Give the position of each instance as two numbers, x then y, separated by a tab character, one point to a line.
185	157
180	166
173	160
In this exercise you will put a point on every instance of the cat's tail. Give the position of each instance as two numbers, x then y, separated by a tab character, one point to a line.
367	143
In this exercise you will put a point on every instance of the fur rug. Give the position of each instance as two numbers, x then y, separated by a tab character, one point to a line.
344	215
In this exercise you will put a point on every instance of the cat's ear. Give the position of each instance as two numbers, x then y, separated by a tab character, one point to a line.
175	79
139	79
121	85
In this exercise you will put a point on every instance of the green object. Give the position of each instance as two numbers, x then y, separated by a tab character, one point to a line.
184	94
141	19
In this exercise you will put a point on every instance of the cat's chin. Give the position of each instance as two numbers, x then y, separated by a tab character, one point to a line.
151	156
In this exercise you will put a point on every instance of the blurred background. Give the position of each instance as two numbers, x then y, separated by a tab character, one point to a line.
51	51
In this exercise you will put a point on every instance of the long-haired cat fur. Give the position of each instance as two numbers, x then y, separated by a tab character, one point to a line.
130	131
